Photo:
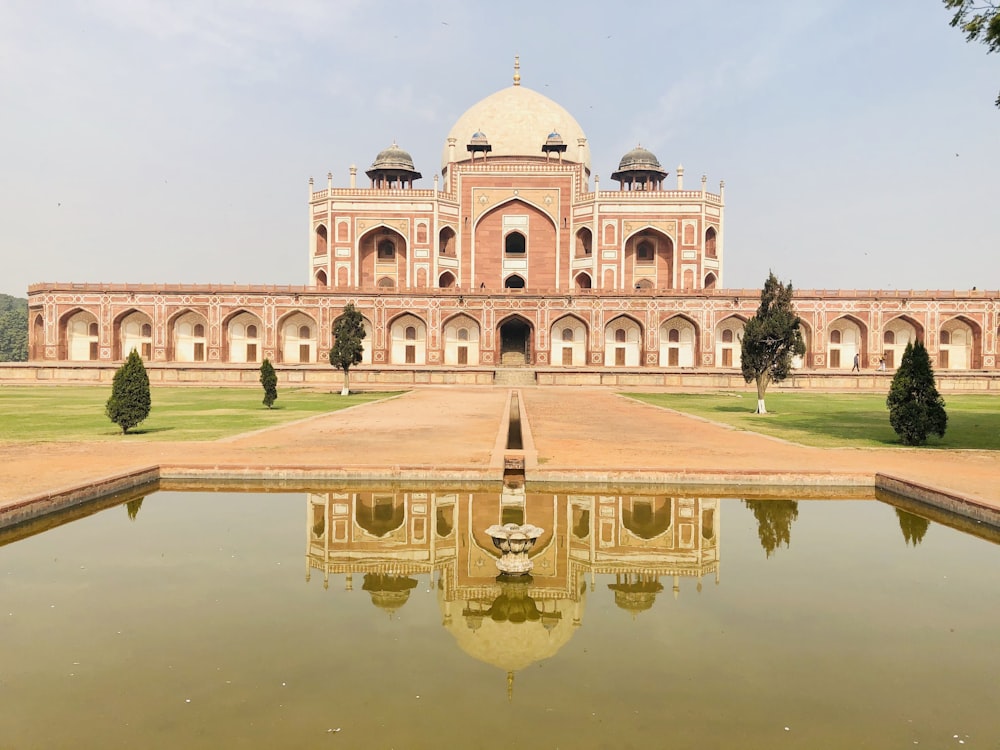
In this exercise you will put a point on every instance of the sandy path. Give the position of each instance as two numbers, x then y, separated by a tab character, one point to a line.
572	428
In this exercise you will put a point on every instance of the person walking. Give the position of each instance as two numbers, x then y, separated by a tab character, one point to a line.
857	363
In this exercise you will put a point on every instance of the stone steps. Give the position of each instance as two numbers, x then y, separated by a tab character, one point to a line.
514	376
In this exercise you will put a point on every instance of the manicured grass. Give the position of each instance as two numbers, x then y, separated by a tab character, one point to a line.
32	413
837	419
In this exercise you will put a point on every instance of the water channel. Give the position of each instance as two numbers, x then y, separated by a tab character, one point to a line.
373	618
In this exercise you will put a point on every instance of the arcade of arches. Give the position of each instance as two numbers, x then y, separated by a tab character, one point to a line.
576	338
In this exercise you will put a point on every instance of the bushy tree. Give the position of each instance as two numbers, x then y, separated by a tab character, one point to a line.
13	329
771	338
348	334
269	379
130	400
916	409
979	20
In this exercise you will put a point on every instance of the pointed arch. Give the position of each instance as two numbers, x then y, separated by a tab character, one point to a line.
514	281
964	347
461	335
679	342
502	206
583	281
383	253
584	245
446	280
650	258
298	337
568	338
711	238
132	329
37	337
846	337
242	337
79	335
646	517
447	242
728	346
623	342
321	279
408	337
897	332
515	340
321	240
187	338
807	338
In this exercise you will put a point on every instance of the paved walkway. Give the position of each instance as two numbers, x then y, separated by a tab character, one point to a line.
458	427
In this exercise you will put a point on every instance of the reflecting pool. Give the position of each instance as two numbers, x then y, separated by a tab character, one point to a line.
374	619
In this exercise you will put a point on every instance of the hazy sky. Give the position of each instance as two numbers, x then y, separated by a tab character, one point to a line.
172	141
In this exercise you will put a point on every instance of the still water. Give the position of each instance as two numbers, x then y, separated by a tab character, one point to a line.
375	620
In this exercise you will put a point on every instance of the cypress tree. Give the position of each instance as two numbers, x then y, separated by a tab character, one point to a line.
774	522
348	334
916	409
130	401
268	379
770	339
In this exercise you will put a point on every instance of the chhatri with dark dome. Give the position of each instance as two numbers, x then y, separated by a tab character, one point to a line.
512	264
639	169
393	167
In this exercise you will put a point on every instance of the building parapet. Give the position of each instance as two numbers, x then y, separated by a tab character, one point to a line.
379	193
315	291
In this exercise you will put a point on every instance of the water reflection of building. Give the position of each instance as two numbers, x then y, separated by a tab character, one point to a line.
390	537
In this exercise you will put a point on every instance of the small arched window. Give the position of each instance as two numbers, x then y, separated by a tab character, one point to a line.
835	336
567	334
303	332
674	336
946	337
199	330
92	329
727	336
620	335
463	334
513	282
888	337
251	331
514	244
386	250
146	331
410	334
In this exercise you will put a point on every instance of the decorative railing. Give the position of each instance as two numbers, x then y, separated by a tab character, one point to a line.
421	193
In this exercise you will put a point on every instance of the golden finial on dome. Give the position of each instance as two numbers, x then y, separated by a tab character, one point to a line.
510	686
517	70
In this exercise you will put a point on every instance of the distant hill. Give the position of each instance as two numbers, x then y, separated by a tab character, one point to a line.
13	329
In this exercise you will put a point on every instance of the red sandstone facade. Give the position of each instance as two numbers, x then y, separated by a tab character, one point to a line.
511	259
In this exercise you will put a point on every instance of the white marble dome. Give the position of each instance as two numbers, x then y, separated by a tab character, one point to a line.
516	121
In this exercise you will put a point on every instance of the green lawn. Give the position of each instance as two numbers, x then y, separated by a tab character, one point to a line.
836	419
33	413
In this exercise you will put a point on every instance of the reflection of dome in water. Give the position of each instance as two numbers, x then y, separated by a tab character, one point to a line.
388	592
510	644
